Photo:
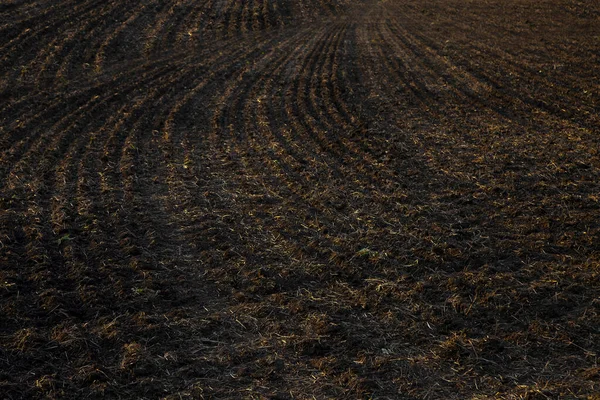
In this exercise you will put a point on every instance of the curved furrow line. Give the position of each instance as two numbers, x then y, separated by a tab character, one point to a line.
434	90
553	100
267	140
466	88
16	27
426	90
115	157
80	42
331	78
363	160
549	89
110	199
127	175
262	192
294	121
260	16
284	154
192	88
305	116
245	17
516	73
16	12
148	80
334	113
396	98
169	95
64	176
16	158
263	136
461	144
199	196
179	145
52	220
278	14
267	19
356	165
229	18
43	263
256	18
227	65
242	100
456	81
29	110
222	19
36	107
108	38
236	25
67	147
195	23
363	168
20	62
342	78
294	131
317	95
44	59
77	37
462	79
433	103
307	9
569	84
265	150
348	87
166	23
170	26
220	15
515	45
132	39
444	82
280	154
214	15
112	23
105	32
163	26
59	274
58	60
36	140
129	179
94	263
90	171
331	8
74	214
121	128
236	95
409	120
42	34
408	91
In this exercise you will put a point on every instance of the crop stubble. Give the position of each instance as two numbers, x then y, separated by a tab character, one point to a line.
275	199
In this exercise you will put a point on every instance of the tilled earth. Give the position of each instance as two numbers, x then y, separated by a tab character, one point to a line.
269	199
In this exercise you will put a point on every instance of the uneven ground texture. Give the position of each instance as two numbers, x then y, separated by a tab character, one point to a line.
312	199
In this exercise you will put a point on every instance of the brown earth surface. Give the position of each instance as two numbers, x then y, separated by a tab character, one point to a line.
314	199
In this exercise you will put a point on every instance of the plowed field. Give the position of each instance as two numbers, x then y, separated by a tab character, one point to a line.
313	199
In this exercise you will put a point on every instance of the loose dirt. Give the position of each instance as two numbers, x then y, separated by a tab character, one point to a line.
269	199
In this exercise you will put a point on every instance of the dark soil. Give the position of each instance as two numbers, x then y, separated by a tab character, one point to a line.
273	199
